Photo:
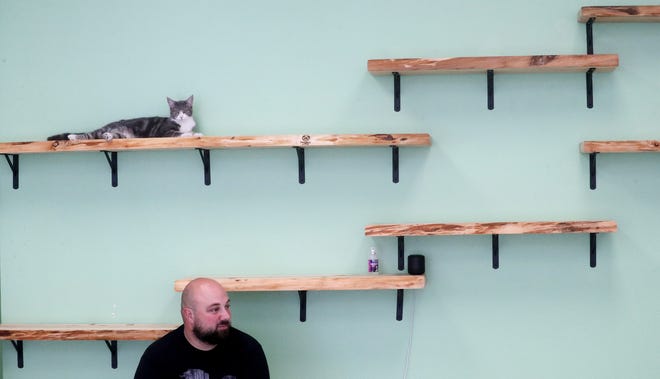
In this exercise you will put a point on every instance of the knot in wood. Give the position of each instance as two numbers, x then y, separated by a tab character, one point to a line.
629	10
385	137
540	60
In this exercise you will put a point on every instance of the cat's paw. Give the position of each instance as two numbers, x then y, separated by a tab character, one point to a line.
107	136
189	134
72	137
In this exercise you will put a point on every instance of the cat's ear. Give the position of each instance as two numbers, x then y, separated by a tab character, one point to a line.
170	102
189	100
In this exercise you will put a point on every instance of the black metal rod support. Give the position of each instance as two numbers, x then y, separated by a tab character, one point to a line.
301	164
13	164
496	251
18	345
399	305
590	88
401	253
112	345
303	305
590	35
205	154
491	89
397	91
111	156
592	170
395	164
592	249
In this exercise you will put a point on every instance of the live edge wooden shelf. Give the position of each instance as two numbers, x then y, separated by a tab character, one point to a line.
624	13
633	146
110	333
490	65
302	284
205	144
493	228
621	13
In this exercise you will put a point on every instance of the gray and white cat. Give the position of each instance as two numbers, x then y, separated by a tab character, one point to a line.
179	124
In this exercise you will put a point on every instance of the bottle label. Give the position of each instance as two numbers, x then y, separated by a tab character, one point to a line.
373	265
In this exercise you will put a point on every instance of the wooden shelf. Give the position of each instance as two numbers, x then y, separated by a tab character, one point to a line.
303	284
110	333
232	142
492	228
632	146
205	144
317	283
589	15
631	13
553	227
513	64
490	65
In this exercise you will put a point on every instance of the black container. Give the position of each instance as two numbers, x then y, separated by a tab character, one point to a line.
416	264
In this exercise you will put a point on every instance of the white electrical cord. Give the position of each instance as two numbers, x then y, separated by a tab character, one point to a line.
406	364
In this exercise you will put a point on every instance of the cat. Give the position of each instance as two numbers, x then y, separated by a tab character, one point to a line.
179	124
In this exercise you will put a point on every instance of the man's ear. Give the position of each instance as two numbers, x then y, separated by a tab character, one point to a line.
187	314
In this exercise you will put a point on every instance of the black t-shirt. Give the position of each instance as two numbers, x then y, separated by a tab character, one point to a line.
239	356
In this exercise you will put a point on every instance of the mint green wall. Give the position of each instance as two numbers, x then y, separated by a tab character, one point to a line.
74	249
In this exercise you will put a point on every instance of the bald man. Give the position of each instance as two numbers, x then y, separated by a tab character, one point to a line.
206	346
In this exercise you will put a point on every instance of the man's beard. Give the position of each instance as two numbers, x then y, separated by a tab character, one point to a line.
212	336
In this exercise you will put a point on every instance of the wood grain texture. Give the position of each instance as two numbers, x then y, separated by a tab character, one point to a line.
298	140
632	13
490	228
640	146
316	283
533	63
110	332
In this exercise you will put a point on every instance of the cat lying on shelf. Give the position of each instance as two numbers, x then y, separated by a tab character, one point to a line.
179	124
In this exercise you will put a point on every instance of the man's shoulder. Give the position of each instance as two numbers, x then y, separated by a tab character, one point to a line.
237	333
172	338
240	337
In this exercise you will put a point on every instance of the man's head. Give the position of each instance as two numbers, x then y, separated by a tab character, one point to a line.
206	313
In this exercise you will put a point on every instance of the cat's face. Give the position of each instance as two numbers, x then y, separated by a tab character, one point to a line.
180	110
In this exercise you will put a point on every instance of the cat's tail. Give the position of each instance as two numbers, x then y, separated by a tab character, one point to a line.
59	137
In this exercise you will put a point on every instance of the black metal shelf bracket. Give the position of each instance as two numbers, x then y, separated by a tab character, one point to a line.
590	50
592	249
399	304
205	154
301	164
592	170
13	164
590	88
303	305
395	164
590	35
302	294
111	156
397	91
18	345
112	345
401	254
496	251
491	89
